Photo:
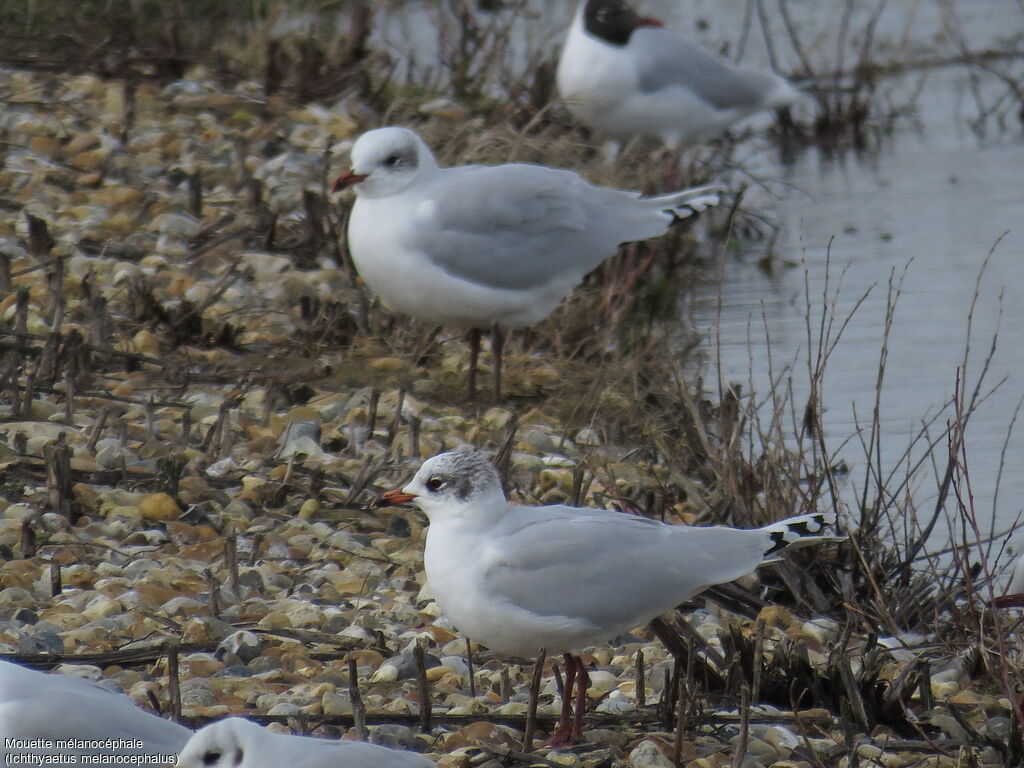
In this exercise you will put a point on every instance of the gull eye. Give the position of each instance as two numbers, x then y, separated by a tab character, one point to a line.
391	161
436	483
211	758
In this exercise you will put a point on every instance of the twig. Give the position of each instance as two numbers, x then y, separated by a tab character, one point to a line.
531	709
641	694
469	665
356	697
172	647
423	685
744	735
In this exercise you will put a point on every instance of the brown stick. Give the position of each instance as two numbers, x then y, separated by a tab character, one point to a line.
641	694
531	710
214	589
755	685
195	194
21	311
98	427
397	421
506	686
39	240
741	745
423	684
57	455
852	692
469	663
28	540
358	707
173	687
257	544
56	586
231	561
927	703
682	707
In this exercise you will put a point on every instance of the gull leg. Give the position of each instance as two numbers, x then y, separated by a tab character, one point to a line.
564	733
474	354
497	347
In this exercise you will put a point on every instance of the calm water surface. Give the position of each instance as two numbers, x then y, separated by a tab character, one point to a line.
927	203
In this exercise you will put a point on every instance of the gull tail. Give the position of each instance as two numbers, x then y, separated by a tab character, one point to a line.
688	202
799	531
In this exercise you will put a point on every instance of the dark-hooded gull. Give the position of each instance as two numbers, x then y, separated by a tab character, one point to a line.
518	579
625	75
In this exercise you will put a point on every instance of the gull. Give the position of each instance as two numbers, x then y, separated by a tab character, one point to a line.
45	708
479	246
238	743
561	578
624	75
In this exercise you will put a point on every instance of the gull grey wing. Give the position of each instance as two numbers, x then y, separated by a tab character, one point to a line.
609	569
514	226
664	61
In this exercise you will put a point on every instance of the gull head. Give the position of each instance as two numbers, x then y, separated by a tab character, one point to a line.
385	162
451	483
224	744
613	21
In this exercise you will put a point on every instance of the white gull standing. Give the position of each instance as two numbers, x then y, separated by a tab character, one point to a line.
624	75
38	706
518	579
238	743
482	246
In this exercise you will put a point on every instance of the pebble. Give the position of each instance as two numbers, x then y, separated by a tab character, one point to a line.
647	754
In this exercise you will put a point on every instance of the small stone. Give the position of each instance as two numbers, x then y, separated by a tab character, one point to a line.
159	506
242	644
336	704
648	754
394	737
491	733
310	508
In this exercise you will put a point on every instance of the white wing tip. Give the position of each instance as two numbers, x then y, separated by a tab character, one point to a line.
697	200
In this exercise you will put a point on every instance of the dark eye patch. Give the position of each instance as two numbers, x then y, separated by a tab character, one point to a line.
435	483
211	758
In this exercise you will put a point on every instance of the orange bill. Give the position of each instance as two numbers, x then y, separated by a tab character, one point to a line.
347	179
395	497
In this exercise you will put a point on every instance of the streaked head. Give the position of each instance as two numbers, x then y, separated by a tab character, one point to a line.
385	162
224	744
450	482
613	21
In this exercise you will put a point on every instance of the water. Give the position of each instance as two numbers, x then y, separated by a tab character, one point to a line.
927	201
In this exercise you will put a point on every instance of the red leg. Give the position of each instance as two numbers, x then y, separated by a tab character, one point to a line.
564	733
